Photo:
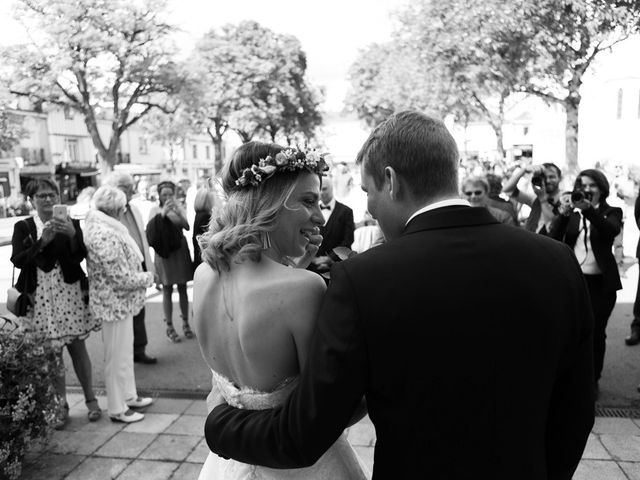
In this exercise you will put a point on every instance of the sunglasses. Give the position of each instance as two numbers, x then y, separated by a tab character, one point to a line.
45	196
477	193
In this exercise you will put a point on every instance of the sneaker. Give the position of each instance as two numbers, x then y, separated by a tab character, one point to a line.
127	417
139	402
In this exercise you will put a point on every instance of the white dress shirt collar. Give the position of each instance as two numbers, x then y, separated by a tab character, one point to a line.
443	203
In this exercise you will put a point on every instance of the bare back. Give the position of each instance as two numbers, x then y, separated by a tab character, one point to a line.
254	323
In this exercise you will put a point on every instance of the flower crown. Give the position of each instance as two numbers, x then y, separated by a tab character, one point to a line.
289	159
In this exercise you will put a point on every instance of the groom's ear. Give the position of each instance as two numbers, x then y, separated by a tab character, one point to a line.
393	184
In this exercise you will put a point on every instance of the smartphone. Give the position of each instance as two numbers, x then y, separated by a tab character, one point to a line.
60	211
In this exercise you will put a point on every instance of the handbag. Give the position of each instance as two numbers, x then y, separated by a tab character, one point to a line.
18	302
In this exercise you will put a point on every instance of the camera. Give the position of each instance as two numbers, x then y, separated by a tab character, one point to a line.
579	194
538	179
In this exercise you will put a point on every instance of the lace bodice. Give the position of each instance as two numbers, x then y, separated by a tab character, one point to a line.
246	397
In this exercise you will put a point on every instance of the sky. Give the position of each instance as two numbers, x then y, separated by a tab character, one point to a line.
331	31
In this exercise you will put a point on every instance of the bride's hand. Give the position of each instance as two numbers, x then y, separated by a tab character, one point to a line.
312	249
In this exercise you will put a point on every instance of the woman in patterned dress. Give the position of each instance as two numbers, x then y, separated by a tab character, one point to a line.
117	293
48	251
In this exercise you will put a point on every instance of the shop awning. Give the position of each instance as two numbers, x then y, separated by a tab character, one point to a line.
82	171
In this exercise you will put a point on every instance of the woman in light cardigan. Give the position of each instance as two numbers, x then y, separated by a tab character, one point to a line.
116	293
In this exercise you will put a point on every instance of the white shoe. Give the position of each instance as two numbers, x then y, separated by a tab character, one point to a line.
139	402
127	417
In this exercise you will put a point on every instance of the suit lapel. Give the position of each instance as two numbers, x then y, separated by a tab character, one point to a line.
450	217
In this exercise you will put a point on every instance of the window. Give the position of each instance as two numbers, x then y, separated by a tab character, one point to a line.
71	150
619	109
207	152
143	147
68	112
195	151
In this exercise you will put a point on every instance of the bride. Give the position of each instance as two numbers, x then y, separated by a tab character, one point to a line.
253	313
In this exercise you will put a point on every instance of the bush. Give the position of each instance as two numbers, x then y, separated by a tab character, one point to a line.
28	403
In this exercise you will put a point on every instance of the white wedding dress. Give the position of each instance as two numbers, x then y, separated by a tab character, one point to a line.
339	462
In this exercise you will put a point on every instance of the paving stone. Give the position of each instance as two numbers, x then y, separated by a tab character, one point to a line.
187	471
126	445
81	443
152	423
598	470
622	447
51	466
595	450
200	453
95	468
103	425
187	425
169	405
615	426
149	470
366	456
170	447
632	469
198	407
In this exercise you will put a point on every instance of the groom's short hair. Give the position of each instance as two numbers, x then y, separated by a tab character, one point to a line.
419	148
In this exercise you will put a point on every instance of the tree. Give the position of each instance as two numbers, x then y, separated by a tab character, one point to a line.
11	129
103	58
247	78
170	131
474	73
571	36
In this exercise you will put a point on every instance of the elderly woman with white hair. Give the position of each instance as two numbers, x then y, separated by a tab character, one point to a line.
117	292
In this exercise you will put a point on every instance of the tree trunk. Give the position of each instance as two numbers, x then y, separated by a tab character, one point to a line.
572	105
218	161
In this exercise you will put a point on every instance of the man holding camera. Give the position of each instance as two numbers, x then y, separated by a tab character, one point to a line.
544	201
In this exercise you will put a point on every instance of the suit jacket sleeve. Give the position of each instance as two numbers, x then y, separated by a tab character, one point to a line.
315	414
571	409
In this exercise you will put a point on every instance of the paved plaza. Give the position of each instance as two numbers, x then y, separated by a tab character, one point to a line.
169	444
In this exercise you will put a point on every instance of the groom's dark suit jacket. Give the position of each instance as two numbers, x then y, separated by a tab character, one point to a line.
472	342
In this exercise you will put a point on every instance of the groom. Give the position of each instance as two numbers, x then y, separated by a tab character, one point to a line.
466	372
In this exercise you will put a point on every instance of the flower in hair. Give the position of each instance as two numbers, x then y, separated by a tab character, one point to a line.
290	159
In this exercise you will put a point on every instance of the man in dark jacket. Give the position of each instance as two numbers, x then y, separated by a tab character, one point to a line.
634	337
337	230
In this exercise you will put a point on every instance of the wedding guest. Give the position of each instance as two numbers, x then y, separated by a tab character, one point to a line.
476	190
48	251
132	219
588	224
634	336
203	205
117	293
172	260
337	230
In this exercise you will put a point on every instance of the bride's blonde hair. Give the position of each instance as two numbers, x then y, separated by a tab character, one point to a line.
239	230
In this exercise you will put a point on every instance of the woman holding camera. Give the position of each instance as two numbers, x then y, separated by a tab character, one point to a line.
588	224
172	258
48	250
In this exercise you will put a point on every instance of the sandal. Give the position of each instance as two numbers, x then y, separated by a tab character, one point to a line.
94	412
94	415
188	333
172	334
186	329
